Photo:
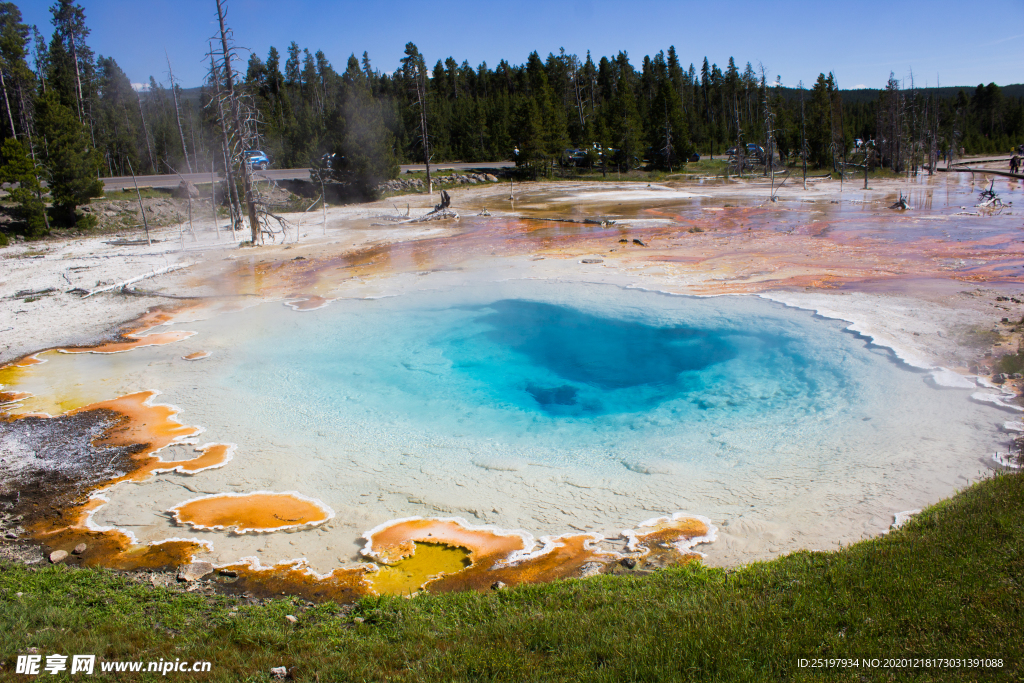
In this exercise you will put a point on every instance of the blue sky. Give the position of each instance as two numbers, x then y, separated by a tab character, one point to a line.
953	42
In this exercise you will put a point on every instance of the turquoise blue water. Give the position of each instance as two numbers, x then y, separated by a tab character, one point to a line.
549	371
553	407
563	362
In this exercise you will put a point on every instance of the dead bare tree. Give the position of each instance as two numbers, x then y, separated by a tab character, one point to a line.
142	209
145	132
803	133
415	70
234	205
769	132
177	111
7	103
839	136
241	122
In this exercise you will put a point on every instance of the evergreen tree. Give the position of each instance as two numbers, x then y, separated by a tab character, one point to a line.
19	170
626	127
819	122
15	76
118	127
71	165
365	156
71	68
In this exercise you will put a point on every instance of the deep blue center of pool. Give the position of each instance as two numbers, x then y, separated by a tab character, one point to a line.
563	361
556	367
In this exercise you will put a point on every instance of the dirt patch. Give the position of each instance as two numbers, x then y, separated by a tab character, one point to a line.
48	464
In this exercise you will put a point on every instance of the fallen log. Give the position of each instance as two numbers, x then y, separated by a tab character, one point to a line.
138	278
993	171
582	221
31	292
135	291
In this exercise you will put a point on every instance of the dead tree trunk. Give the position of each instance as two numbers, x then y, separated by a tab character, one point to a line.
234	206
145	132
237	121
421	96
142	209
78	77
803	134
213	200
177	112
10	116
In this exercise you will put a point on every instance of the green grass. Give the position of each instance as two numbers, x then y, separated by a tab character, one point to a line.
948	585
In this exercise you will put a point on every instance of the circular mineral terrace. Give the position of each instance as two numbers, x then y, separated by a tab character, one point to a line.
558	369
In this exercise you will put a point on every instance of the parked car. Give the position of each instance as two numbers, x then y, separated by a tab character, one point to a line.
256	159
574	157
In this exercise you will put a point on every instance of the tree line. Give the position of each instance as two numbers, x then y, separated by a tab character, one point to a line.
71	116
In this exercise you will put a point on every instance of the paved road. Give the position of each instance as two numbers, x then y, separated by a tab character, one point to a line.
125	182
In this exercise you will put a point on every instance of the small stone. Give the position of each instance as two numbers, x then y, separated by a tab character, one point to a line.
291	618
11	536
628	562
228	572
18	594
358	620
194	571
498	585
592	260
79	549
638	242
279	673
58	556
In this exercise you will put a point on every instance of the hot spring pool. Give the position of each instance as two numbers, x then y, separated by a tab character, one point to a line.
550	407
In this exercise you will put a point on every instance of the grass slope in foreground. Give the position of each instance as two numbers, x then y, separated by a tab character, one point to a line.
948	585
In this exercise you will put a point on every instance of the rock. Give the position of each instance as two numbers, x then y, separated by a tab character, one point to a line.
998	378
590	569
591	260
358	620
79	549
491	178
638	242
228	572
194	571
291	618
498	585
58	556
279	673
628	562
623	241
